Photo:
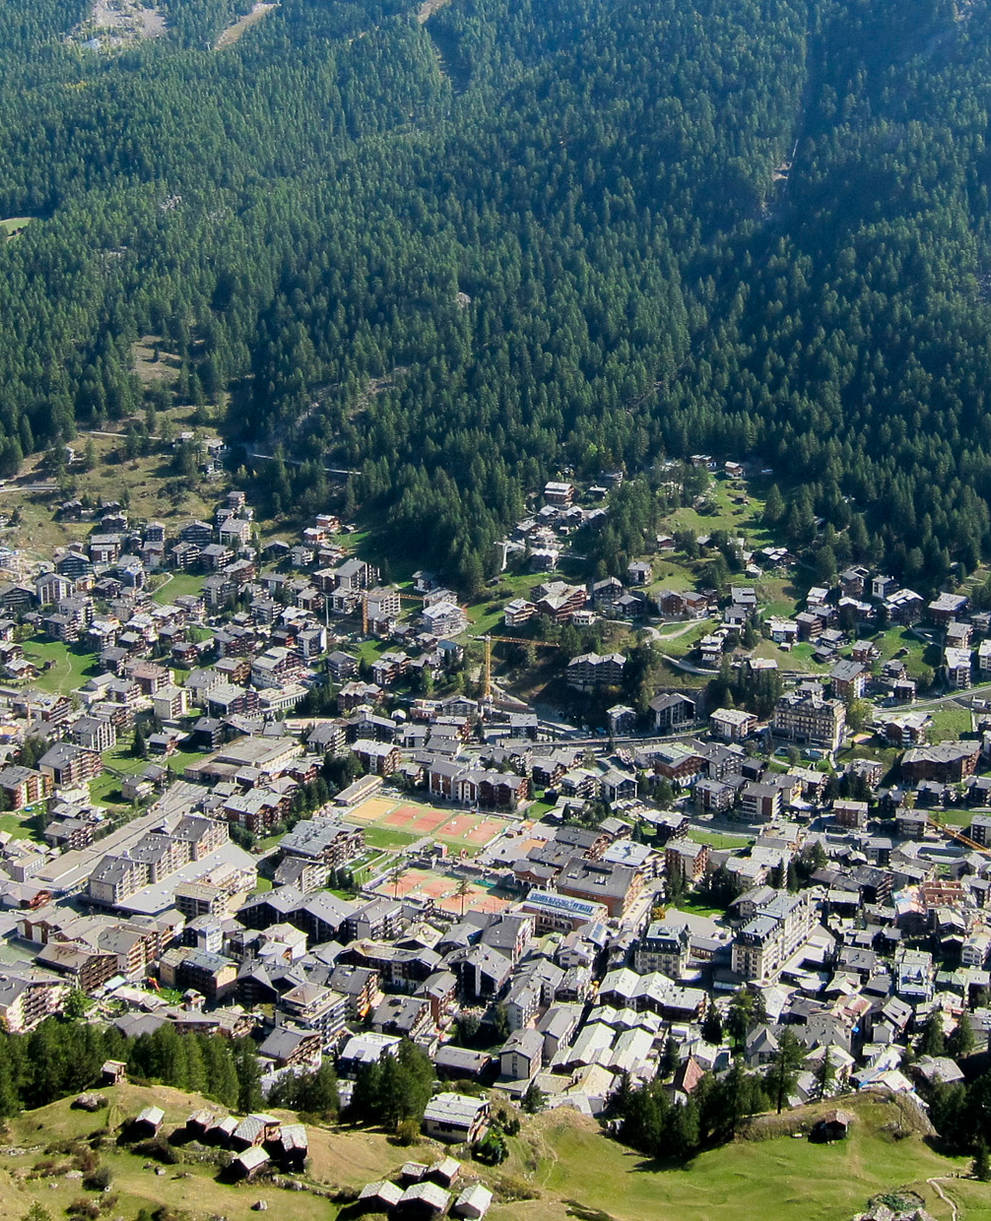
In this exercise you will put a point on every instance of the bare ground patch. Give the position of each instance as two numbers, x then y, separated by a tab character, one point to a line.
118	23
428	8
234	31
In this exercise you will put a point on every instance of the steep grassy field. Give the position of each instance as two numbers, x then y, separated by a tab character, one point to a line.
561	1158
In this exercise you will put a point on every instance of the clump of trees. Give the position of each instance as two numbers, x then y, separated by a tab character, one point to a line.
394	1089
63	1056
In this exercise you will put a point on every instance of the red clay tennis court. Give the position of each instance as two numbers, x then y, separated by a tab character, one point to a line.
443	889
454	826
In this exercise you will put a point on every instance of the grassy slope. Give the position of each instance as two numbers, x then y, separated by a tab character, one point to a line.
774	1178
71	665
564	1156
155	490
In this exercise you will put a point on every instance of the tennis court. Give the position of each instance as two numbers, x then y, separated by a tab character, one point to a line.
461	828
443	889
372	810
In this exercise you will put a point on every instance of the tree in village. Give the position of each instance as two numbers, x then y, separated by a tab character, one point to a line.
960	1042
784	1068
824	1075
746	1010
534	1099
712	1026
932	1040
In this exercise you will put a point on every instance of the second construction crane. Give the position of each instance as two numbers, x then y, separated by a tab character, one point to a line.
524	640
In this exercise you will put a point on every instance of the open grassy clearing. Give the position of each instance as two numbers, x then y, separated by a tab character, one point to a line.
691	908
957	818
668	632
68	666
18	826
383	837
10	226
779	595
718	839
236	29
779	1178
154	490
177	584
798	658
681	643
105	788
721	511
950	721
904	644
669	573
371	650
153	363
485	613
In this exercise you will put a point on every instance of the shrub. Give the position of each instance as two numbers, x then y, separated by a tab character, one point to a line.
84	1208
85	1159
407	1132
98	1179
159	1149
491	1149
508	1189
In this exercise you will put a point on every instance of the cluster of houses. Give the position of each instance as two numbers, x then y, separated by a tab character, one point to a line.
258	1142
426	1191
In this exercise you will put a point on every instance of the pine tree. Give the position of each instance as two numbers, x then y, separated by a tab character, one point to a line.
139	747
533	1100
961	1040
774	506
981	1166
221	1077
784	1068
712	1026
932	1041
824	1076
249	1093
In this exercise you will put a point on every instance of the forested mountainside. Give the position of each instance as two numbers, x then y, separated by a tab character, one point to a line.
459	254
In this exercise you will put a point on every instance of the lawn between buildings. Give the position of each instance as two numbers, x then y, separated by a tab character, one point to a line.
68	665
950	722
120	759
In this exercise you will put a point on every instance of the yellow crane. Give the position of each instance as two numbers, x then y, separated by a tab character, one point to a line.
364	607
959	836
537	644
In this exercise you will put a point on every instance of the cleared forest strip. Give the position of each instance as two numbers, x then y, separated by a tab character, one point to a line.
234	31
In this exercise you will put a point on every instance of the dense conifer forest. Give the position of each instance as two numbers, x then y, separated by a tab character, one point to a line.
460	255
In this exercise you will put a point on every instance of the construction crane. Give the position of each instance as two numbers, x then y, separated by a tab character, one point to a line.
959	836
525	640
364	606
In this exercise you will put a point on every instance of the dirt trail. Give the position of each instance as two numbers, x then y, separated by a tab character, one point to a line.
934	1184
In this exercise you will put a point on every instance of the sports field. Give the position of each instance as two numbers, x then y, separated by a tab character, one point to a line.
459	829
443	888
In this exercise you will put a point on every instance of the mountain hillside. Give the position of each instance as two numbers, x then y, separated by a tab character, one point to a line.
457	255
